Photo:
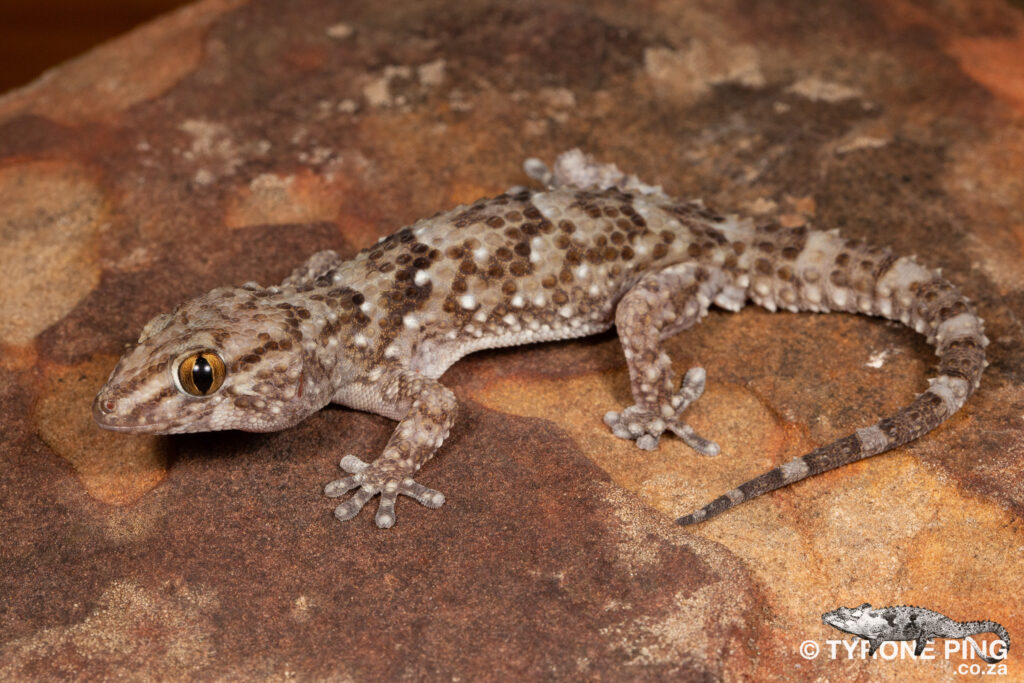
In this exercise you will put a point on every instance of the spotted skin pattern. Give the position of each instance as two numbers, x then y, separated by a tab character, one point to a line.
595	248
904	622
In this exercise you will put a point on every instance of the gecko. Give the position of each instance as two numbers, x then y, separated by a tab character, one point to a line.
904	622
591	249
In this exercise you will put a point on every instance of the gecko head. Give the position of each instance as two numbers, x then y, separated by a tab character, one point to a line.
231	359
850	619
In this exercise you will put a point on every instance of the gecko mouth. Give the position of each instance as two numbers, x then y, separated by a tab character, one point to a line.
125	426
130	428
116	423
834	623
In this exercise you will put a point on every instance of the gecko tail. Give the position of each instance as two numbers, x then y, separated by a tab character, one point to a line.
931	305
977	627
930	409
835	454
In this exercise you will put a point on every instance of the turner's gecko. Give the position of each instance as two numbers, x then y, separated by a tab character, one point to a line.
595	248
904	622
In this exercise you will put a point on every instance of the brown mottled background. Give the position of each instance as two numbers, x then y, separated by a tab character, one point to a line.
226	141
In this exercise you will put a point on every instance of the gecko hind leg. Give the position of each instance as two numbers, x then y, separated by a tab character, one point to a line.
389	492
658	306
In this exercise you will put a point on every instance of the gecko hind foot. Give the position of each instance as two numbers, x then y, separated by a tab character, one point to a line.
646	426
370	484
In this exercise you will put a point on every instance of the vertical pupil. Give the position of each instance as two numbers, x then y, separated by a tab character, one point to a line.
202	374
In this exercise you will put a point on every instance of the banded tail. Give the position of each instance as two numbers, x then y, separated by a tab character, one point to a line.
833	274
973	628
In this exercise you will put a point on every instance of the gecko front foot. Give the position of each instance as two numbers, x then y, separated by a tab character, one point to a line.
370	482
645	426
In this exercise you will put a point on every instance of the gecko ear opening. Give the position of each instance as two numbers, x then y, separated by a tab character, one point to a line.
201	373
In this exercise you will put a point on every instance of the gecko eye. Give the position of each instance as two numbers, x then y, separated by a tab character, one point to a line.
201	374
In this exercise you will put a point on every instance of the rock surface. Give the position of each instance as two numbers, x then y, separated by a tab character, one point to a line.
226	142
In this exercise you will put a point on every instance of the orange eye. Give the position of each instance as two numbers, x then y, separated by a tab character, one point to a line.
201	374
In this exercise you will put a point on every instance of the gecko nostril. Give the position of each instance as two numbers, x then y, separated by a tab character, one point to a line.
106	406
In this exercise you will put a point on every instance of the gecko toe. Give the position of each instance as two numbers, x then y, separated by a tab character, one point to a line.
385	517
693	439
339	487
690	390
353	465
647	442
351	507
421	494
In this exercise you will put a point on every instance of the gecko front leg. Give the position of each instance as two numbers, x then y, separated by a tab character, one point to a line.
427	410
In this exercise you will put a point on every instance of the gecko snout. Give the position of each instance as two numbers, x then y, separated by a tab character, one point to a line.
109	412
104	408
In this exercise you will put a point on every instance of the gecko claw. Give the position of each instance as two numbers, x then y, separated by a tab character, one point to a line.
369	485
